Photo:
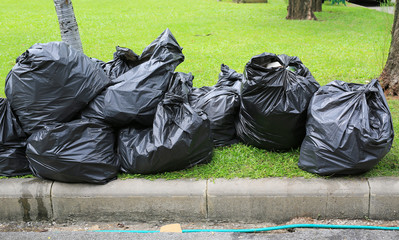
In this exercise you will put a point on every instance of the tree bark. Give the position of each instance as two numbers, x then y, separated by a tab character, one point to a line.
389	77
68	25
300	10
317	5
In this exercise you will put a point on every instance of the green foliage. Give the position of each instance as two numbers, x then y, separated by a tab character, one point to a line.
347	43
387	3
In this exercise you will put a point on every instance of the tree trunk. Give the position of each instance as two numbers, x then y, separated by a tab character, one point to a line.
68	25
389	78
300	10
317	5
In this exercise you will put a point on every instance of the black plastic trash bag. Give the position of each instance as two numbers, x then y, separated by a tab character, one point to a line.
274	100
13	161
77	152
230	78
221	104
95	110
136	94
348	131
180	138
52	82
124	60
181	84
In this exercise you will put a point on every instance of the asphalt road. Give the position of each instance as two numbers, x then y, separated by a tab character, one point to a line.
297	235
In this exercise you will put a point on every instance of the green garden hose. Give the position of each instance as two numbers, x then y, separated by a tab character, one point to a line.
254	230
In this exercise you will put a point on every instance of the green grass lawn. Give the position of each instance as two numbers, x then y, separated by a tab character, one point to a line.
347	43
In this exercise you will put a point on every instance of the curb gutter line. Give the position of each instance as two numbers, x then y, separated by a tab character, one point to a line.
254	200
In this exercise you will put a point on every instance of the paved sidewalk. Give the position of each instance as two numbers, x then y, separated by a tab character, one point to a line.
390	10
269	200
387	9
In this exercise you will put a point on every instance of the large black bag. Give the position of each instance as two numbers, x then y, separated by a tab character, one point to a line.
52	82
136	94
348	131
79	151
274	100
180	138
13	161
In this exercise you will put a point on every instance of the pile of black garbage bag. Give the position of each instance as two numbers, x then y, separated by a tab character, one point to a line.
71	118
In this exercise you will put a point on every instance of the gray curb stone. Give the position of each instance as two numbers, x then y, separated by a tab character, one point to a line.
270	199
26	199
279	200
132	199
384	198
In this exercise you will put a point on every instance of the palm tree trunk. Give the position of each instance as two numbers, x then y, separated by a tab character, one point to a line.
389	77
317	5
68	25
300	10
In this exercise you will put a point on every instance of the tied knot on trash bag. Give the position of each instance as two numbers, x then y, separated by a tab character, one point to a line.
125	54
124	60
172	99
181	84
23	58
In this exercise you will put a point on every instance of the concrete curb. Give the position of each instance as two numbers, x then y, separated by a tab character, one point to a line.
130	200
25	199
279	200
270	199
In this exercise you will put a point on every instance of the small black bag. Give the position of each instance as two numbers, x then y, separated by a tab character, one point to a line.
13	161
77	152
180	138
221	104
274	100
52	82
349	129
